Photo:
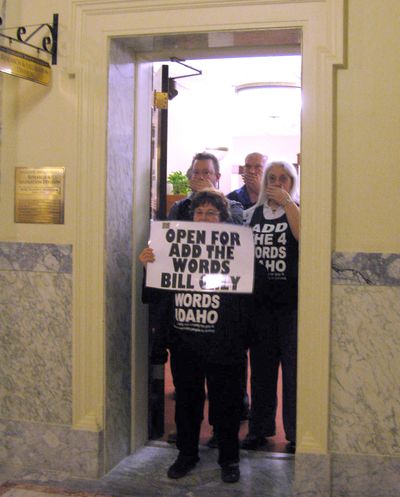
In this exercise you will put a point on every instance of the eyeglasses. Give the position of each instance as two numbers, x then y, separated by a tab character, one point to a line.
206	213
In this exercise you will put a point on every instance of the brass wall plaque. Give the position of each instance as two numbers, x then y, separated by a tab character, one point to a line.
24	66
39	195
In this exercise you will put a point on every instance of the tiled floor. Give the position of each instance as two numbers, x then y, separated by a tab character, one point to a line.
144	475
263	475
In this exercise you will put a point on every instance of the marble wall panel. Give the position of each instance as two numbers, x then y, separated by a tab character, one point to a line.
36	364
35	338
365	357
46	447
119	255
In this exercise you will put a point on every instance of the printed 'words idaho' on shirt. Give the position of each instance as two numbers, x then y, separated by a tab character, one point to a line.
211	325
197	312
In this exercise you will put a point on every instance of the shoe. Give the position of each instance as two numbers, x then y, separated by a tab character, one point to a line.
171	438
291	447
213	442
253	442
230	473
182	466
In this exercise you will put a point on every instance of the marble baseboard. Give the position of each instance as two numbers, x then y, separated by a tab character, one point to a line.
312	475
45	447
365	476
144	474
342	475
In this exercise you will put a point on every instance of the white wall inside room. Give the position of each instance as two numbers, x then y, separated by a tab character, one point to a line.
208	114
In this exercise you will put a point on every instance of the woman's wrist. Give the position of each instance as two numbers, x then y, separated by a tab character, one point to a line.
287	201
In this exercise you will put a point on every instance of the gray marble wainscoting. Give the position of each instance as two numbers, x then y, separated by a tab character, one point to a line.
365	354
36	362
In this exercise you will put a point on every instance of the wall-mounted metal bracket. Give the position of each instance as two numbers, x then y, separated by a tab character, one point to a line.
180	61
172	91
49	42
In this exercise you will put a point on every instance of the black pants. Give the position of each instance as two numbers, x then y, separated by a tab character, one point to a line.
225	396
245	397
278	346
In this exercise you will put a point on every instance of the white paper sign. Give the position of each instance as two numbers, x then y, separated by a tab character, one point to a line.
201	257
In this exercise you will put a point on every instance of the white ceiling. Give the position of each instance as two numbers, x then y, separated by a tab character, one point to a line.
273	111
235	71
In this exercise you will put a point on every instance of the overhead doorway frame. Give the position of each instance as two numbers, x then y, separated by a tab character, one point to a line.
95	24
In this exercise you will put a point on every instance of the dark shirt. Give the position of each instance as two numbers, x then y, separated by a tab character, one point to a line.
276	261
214	326
241	195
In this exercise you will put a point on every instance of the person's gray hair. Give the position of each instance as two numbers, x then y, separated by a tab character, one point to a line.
291	171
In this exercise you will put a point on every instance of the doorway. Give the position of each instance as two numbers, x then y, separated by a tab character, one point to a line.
321	26
228	111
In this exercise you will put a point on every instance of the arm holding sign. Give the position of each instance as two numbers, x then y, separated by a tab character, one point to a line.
159	303
149	295
146	255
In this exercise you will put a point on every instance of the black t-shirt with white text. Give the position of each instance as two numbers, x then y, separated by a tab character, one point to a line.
212	325
276	260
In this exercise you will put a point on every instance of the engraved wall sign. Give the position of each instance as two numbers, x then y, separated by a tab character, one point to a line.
24	66
39	195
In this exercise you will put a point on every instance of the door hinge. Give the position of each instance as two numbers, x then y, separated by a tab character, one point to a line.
160	100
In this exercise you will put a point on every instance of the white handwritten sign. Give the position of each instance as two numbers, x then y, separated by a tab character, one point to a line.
201	257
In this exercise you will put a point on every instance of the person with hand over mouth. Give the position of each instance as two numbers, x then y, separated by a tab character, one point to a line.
275	221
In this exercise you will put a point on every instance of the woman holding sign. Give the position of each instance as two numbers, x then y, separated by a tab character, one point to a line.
275	221
207	339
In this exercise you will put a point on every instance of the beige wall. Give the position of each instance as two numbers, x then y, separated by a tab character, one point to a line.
40	129
368	129
367	196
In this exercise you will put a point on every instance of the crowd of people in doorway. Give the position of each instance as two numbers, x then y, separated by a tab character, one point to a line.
263	323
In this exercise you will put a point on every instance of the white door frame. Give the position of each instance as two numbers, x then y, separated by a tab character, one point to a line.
94	23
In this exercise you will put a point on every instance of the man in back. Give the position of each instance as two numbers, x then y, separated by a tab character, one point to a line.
254	166
203	173
247	195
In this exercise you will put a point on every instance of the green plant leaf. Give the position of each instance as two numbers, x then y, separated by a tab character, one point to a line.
179	182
